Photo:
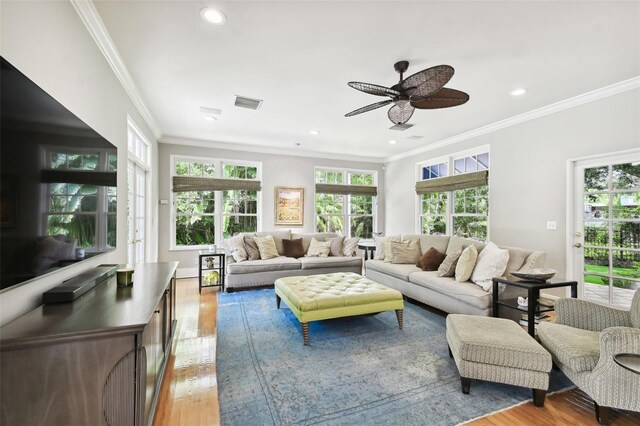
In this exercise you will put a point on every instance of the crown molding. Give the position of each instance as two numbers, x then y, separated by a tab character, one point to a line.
173	140
604	92
91	19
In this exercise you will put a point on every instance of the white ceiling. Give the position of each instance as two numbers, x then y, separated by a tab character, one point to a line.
299	56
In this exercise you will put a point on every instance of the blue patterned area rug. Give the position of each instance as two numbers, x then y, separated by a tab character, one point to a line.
358	370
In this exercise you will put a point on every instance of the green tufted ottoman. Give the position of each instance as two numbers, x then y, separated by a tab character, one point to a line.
342	294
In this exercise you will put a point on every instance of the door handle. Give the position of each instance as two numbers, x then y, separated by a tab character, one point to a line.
577	245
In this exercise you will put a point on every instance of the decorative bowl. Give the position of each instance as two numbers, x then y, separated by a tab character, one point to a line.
538	274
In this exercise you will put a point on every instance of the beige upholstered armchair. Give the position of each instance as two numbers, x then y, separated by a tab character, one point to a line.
583	343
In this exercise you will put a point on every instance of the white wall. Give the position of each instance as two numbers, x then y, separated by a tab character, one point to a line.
277	170
527	177
49	44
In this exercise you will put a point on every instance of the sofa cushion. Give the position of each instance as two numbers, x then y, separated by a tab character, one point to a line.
280	263
465	292
251	247
235	247
318	248
456	242
438	242
517	257
398	271
267	247
578	349
431	260
448	266
278	236
349	246
335	246
306	238
491	263
380	251
293	248
405	252
466	263
330	262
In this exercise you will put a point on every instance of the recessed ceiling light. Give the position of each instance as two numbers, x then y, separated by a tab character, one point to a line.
392	142
211	118
314	132
518	92
213	16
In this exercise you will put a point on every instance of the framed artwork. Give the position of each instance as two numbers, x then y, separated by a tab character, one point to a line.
289	203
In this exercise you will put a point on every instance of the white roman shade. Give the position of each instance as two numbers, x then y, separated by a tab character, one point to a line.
453	183
189	183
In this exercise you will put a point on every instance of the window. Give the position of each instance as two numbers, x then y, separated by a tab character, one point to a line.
463	212
346	208
82	210
204	217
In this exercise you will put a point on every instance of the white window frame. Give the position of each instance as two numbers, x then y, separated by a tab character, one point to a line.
139	153
346	212
450	161
218	164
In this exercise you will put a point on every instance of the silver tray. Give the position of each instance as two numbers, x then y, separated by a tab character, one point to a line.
538	274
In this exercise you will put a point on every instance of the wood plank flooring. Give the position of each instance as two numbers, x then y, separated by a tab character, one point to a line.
189	394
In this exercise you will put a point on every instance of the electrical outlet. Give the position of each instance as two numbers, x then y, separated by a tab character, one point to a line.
552	225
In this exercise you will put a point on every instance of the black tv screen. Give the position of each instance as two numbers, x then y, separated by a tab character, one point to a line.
57	183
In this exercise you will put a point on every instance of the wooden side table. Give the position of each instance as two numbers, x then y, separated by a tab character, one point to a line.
533	293
218	264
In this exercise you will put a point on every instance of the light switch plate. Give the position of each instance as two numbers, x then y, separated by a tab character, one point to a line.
552	225
164	202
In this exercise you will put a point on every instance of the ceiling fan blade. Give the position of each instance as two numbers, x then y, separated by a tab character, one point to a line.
443	98
400	114
368	108
427	81
373	89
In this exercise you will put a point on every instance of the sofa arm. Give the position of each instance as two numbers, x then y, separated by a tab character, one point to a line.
590	316
611	385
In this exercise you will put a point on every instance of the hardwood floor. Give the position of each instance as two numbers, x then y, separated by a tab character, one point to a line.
189	394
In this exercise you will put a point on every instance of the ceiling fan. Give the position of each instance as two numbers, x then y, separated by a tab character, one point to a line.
422	90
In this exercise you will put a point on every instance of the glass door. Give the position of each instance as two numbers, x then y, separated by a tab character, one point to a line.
136	224
607	229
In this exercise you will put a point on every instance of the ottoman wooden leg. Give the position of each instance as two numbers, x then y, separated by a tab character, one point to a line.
466	385
400	315
277	302
305	332
603	414
538	397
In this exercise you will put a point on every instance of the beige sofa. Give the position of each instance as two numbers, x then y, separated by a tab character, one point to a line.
445	293
259	273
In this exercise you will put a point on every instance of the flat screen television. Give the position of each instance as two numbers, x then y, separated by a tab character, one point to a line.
57	184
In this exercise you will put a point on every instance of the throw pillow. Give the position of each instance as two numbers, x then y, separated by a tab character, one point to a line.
235	246
349	246
267	247
251	248
448	266
431	260
492	262
405	252
380	254
466	263
318	249
293	248
335	246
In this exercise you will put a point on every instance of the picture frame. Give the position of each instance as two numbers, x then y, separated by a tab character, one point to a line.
289	206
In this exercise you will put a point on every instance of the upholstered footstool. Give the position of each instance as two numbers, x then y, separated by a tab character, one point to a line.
341	294
498	350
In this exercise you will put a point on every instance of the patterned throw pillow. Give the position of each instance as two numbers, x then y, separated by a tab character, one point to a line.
336	245
251	247
431	260
318	249
492	262
267	247
380	252
405	252
349	246
235	246
466	263
448	266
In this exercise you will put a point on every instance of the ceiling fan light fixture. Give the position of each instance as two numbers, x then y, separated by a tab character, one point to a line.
213	16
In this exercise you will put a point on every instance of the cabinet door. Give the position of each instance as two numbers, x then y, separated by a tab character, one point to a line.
148	339
167	317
